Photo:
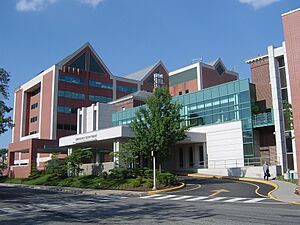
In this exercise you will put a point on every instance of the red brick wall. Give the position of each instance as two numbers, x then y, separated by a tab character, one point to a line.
211	77
191	85
260	76
46	106
291	29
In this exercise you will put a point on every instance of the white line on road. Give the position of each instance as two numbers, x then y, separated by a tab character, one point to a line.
151	196
254	200
181	197
196	199
214	199
234	199
166	197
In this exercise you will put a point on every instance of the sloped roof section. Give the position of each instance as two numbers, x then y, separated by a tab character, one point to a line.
75	53
143	73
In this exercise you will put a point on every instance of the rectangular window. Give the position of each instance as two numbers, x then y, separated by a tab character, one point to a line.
33	119
95	98
70	79
99	84
95	120
68	110
33	132
180	92
67	126
126	89
187	91
34	106
71	94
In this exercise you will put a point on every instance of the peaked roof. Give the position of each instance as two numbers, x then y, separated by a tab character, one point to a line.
72	55
143	73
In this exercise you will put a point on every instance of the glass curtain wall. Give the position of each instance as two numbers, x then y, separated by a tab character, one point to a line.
218	104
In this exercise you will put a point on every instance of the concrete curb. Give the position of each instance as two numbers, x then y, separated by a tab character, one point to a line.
77	190
167	189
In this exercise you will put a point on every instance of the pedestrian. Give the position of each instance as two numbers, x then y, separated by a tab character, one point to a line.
266	171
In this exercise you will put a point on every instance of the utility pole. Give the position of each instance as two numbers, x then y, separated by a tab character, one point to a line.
154	172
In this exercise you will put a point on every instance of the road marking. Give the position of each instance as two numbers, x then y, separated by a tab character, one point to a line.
254	200
256	190
214	199
216	192
196	199
151	196
181	197
234	199
165	197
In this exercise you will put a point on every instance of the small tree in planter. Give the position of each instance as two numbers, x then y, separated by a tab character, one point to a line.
76	159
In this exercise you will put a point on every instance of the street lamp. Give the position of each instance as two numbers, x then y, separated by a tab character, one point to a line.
154	172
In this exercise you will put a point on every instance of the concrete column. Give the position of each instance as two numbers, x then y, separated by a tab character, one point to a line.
116	148
38	160
70	150
98	158
277	109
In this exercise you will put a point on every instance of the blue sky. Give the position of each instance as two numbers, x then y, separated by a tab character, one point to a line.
132	34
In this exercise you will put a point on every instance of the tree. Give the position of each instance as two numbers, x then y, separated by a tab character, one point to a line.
288	113
76	159
157	127
5	121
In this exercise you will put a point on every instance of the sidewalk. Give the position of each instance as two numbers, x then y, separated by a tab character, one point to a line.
285	192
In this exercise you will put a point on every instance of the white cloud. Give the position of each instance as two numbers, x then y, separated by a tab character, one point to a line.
93	3
33	5
257	4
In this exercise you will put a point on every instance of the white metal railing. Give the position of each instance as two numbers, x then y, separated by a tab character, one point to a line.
232	163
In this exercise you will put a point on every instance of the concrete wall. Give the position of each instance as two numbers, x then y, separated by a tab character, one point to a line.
254	172
224	143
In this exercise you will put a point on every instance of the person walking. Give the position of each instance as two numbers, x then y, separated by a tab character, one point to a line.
266	171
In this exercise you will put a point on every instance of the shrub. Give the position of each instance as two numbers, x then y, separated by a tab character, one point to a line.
56	166
166	179
137	182
119	173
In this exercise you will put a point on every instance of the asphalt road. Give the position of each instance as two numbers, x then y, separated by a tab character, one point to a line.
30	206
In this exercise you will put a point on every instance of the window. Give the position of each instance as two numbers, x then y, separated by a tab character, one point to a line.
101	84
67	126
201	155
94	66
79	63
34	106
33	132
95	98
64	109
33	119
95	120
70	94
126	89
180	92
220	69
70	79
187	91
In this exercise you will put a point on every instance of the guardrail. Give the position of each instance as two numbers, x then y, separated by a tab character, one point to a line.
234	163
263	119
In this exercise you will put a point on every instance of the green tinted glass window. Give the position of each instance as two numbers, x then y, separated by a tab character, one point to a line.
79	63
94	66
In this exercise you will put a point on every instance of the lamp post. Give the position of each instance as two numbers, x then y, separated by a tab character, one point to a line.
154	172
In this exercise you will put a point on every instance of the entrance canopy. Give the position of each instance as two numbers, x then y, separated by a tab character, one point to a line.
104	136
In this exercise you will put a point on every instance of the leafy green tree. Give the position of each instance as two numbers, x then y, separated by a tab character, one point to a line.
157	127
288	113
5	121
3	158
76	159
